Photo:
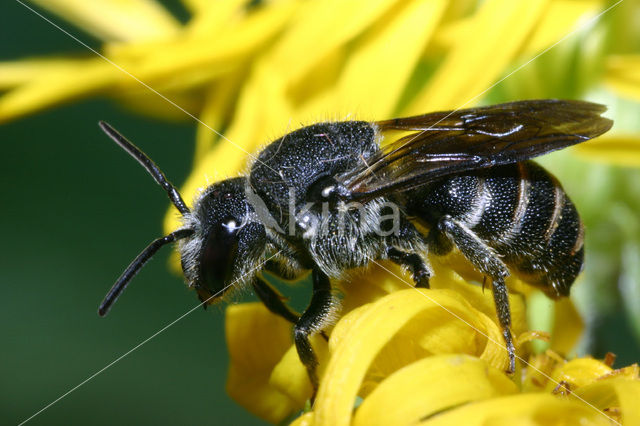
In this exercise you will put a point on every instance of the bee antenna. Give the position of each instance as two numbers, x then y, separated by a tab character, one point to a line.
136	265
148	164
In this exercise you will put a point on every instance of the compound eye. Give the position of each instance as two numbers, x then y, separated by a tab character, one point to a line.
218	257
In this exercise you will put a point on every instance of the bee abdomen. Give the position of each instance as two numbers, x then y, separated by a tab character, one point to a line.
544	242
561	260
503	215
519	210
533	215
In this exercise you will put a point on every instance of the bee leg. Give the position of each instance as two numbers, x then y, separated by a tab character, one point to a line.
501	299
313	319
485	260
273	300
414	262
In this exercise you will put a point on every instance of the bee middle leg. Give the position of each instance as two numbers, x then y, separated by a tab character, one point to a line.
414	262
275	302
313	319
485	260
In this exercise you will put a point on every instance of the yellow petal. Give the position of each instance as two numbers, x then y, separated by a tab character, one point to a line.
198	6
442	330
567	327
578	372
499	30
459	9
531	335
307	419
558	20
494	352
212	17
540	317
429	386
253	126
370	286
257	340
618	149
320	27
383	62
374	326
116	20
184	62
387	278
538	370
623	75
142	100
479	297
614	393
214	113
447	33
526	409
290	376
14	73
63	83
314	95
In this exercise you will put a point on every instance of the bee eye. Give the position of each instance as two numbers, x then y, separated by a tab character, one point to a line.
218	256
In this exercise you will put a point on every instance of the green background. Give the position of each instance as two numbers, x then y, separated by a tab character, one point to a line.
75	211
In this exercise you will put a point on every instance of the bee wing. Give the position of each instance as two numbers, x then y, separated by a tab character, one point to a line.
452	142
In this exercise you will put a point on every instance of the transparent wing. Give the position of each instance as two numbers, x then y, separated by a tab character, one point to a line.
451	142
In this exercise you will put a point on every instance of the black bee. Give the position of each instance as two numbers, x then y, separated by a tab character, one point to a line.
330	198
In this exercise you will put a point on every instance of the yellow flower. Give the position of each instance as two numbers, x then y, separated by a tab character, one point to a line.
403	356
256	70
306	61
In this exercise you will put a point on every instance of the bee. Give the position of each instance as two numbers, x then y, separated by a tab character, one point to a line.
332	197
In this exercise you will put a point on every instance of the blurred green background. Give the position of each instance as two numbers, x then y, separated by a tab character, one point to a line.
76	210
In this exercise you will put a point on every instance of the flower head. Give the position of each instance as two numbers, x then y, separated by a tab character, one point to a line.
430	356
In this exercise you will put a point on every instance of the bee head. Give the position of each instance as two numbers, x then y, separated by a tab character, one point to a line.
221	242
227	241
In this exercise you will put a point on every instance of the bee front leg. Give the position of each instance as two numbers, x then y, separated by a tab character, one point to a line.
313	319
485	260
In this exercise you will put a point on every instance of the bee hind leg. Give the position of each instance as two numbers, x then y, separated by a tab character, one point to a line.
485	260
